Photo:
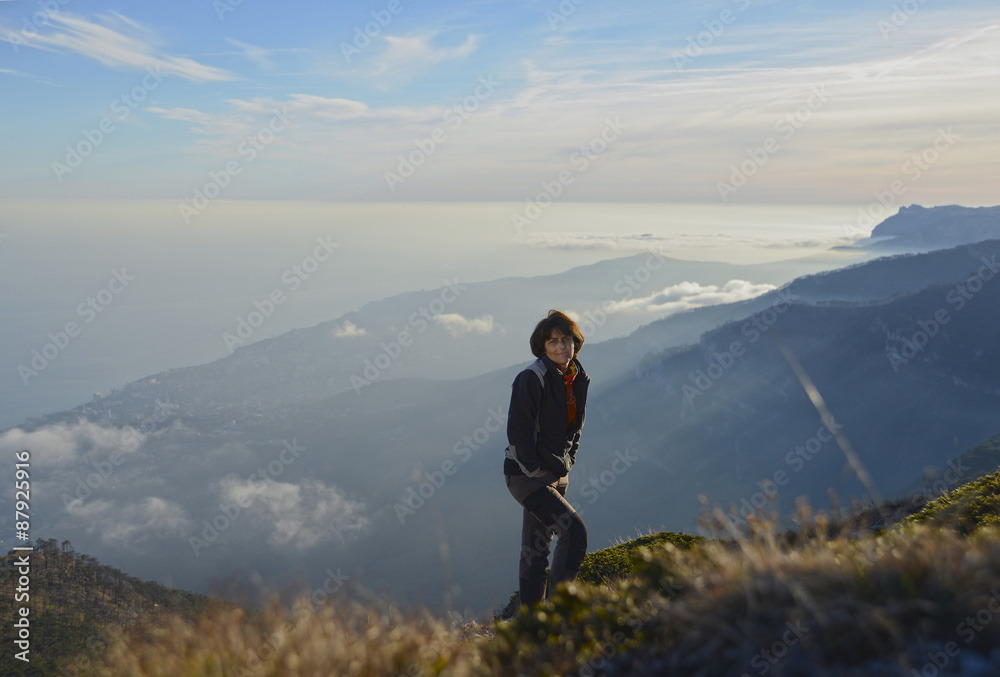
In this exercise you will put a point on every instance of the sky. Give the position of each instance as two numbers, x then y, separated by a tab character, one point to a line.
737	101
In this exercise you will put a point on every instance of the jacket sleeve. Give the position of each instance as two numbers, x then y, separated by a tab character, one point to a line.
525	399
574	446
582	413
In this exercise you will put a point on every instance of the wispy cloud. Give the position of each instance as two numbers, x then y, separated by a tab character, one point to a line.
262	57
327	108
317	114
132	525
258	55
19	74
417	51
638	242
227	125
687	295
248	118
118	42
299	515
685	131
65	445
348	330
457	325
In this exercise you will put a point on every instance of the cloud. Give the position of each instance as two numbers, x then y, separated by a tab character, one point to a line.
298	515
591	241
261	56
687	295
132	524
64	445
117	42
457	325
204	120
679	242
258	55
415	51
348	330
535	123
212	125
247	117
19	74
326	108
685	132
686	128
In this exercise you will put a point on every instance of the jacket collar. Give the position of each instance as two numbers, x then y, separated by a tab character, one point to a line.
551	366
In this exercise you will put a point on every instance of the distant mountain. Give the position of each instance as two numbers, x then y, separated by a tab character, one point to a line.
456	331
870	282
246	468
982	459
727	419
917	228
913	381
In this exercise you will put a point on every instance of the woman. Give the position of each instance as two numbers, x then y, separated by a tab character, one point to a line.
548	404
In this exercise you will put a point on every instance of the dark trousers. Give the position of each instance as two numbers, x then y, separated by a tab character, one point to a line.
547	513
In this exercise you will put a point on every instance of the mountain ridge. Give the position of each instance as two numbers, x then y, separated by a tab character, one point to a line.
363	453
917	228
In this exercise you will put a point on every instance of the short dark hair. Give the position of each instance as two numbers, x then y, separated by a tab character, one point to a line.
543	332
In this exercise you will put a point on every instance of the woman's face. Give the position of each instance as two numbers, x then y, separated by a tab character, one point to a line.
559	348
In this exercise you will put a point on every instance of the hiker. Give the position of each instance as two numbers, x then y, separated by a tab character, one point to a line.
548	404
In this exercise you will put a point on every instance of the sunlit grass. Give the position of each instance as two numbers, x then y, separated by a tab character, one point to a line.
834	602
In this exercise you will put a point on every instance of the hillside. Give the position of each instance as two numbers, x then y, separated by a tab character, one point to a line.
455	331
869	283
390	485
728	418
909	598
78	606
264	380
981	459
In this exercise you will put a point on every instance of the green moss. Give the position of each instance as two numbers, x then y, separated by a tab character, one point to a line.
624	560
967	508
619	561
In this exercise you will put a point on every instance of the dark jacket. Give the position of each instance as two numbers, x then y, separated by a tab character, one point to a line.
554	448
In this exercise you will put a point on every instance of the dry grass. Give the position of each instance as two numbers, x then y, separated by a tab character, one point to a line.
762	604
348	639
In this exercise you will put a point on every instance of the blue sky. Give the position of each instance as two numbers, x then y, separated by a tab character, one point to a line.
401	100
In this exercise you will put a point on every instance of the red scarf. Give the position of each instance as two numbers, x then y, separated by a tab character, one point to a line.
568	377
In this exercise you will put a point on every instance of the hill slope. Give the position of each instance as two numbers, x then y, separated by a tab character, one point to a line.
455	331
914	599
77	606
400	476
729	419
